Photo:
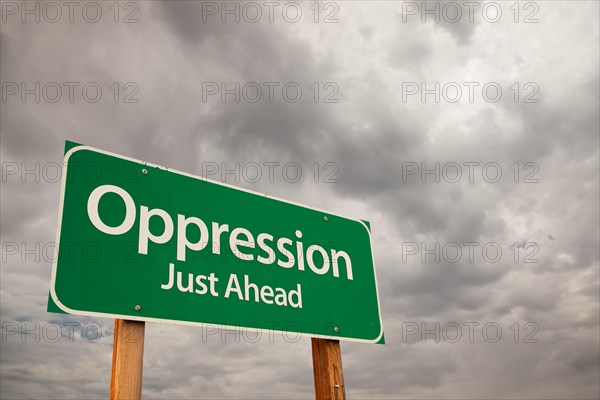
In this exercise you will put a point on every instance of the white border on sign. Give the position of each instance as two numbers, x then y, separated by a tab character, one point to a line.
179	322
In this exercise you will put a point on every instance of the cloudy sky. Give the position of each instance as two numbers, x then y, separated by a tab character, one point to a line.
479	127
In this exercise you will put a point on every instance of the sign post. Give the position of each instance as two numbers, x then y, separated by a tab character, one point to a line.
128	360
139	242
327	369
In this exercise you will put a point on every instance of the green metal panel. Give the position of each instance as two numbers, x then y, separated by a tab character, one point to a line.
101	273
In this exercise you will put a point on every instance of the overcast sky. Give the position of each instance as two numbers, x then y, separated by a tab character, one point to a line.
517	93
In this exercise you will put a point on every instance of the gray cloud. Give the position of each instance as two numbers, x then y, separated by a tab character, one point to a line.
371	135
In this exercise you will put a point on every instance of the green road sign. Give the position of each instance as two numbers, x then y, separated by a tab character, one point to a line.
143	242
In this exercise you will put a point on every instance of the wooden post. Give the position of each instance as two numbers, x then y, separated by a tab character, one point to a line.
327	368
128	360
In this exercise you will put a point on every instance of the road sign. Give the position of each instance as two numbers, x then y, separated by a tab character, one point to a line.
142	242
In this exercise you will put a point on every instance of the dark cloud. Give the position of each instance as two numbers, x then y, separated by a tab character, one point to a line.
371	135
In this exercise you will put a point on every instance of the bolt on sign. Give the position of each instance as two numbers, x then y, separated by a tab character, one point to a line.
143	242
